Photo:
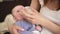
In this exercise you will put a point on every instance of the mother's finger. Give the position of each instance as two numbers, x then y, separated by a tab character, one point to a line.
15	31
31	20
34	10
30	9
10	28
25	14
18	28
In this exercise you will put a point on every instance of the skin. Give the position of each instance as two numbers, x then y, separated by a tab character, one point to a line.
17	16
36	18
35	4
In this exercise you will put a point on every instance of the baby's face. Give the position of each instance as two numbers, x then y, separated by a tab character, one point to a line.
17	15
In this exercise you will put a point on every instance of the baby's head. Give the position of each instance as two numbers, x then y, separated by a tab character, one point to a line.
15	12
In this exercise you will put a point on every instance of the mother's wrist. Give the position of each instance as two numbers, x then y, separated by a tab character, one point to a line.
42	19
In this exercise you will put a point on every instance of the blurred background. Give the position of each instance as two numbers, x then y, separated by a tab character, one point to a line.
5	9
7	5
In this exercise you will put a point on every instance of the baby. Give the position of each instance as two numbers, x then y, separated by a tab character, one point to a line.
28	27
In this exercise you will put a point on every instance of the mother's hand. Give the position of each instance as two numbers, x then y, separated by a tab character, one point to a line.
31	15
13	29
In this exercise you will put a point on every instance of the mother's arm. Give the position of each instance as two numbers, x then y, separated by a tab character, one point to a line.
35	4
51	26
35	17
45	22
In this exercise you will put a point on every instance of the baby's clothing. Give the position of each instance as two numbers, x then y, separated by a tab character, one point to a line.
28	27
24	24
